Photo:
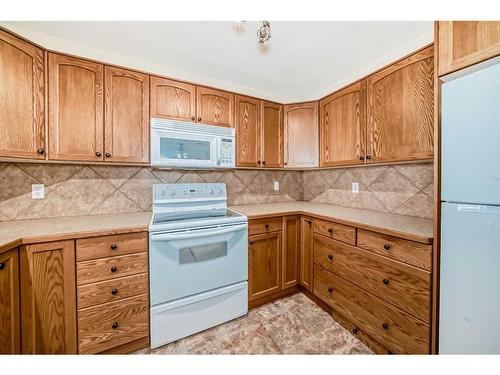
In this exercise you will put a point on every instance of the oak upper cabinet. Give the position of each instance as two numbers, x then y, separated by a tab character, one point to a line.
272	135
343	126
76	128
10	331
248	131
464	43
301	135
48	298
126	116
22	101
264	265
290	257
400	110
306	253
172	99
214	107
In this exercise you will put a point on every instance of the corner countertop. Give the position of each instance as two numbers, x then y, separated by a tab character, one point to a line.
407	227
16	233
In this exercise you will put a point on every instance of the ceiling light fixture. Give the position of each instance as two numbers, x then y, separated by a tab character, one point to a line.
264	32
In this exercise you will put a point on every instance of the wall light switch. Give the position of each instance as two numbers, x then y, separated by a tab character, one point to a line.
37	191
355	187
276	185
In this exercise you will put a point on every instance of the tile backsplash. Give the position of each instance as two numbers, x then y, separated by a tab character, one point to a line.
73	190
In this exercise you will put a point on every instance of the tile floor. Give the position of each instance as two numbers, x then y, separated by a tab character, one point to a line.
291	325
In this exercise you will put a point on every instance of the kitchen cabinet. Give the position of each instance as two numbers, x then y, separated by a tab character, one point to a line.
306	253
400	110
465	43
248	131
272	135
343	126
126	116
48	298
22	100
172	99
290	257
9	303
301	135
214	107
75	127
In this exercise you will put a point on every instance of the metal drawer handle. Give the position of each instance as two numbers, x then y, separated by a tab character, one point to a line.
330	290
114	292
385	281
387	246
2	266
330	230
114	325
385	326
114	269
114	246
355	330
330	257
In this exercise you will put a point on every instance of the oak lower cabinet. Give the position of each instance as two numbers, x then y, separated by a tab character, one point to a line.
48	298
10	331
291	245
248	124
214	107
465	43
306	253
22	99
171	99
272	135
301	135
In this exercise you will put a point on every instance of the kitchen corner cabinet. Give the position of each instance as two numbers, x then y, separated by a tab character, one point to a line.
214	107
306	253
248	131
400	110
465	43
272	135
343	127
10	330
172	99
290	257
126	116
22	100
48	298
301	135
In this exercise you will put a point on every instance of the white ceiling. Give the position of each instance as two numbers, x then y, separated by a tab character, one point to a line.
303	61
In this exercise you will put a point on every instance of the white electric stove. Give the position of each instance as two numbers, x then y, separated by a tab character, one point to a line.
198	259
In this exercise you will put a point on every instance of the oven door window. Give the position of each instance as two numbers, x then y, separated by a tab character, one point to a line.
185	149
202	253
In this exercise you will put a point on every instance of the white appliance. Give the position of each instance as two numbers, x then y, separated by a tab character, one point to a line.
469	321
182	144
198	259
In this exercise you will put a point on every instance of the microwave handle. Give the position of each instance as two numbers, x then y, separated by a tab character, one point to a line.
196	234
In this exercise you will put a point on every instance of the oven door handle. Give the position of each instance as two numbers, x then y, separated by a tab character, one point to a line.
196	234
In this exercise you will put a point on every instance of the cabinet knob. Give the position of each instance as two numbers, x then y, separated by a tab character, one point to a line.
385	281
330	230
263	162
309	222
385	326
368	157
355	330
330	257
361	157
258	162
2	266
114	325
114	292
199	118
114	269
107	154
193	118
286	163
387	246
41	151
113	246
330	290
250	242
98	153
267	226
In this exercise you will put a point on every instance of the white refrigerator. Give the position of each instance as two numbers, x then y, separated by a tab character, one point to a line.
469	319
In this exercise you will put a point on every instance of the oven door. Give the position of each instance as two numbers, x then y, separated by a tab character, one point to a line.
183	149
185	263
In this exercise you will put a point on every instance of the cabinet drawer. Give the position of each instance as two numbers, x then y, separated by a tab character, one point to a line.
111	290
336	231
395	329
106	326
413	253
404	286
91	271
260	226
107	246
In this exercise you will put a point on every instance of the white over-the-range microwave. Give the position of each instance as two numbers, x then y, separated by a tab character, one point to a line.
183	144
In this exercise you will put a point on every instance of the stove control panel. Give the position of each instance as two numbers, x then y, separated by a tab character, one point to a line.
183	191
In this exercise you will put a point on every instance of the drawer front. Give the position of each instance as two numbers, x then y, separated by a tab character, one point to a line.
413	253
404	286
107	246
261	226
111	290
106	326
393	328
336	231
91	271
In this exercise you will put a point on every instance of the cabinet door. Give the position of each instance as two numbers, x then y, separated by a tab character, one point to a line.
48	298
290	257
126	116
9	303
248	131
306	253
464	43
22	103
401	107
264	265
272	135
214	107
172	99
343	126
301	135
75	109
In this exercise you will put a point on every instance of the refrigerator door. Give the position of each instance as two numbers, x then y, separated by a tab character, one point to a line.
469	321
471	137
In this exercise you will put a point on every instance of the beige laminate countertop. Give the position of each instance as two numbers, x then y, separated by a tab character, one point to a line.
408	227
15	233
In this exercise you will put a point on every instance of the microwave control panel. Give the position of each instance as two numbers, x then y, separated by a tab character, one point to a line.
226	152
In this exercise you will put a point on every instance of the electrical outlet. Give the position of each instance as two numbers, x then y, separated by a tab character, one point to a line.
276	185
37	191
355	187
